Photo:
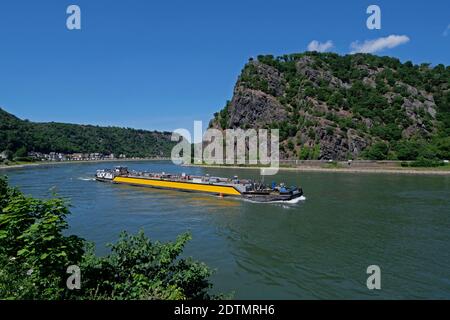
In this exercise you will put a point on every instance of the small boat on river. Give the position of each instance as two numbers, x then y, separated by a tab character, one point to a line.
234	187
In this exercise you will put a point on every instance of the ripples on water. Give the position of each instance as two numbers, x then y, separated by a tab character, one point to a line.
317	248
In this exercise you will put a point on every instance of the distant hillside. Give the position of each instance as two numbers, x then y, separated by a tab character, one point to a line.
17	134
329	106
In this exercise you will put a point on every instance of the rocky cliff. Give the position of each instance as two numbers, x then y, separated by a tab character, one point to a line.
344	107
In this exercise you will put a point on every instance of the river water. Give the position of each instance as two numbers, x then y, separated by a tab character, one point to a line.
318	248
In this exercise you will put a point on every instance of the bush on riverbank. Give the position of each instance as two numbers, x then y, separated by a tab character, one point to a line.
35	254
423	163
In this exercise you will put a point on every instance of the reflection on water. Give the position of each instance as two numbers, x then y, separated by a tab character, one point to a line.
204	201
317	248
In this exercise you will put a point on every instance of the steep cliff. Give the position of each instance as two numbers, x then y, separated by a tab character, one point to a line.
344	107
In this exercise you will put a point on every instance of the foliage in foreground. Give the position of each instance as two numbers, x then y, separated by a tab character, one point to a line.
35	254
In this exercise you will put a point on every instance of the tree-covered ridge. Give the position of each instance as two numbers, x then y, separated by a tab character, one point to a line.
329	106
17	134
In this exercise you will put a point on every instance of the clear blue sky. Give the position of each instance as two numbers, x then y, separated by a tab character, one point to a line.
162	64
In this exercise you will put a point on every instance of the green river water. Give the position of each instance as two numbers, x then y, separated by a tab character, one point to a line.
317	248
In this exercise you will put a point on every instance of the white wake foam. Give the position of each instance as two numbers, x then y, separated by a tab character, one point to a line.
293	201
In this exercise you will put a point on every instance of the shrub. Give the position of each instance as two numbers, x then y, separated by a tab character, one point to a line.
35	254
378	151
423	162
290	145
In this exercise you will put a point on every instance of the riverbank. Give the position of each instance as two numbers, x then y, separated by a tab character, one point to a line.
352	168
43	163
392	167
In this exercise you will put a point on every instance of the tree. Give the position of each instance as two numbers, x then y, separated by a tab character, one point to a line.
21	152
35	253
378	151
290	145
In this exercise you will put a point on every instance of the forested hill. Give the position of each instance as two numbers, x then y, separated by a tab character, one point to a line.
23	135
329	106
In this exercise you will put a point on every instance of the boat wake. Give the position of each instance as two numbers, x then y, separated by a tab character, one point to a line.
292	201
87	179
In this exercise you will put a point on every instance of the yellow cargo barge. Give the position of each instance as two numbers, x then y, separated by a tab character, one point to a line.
213	185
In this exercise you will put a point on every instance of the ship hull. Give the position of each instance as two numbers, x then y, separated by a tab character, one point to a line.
272	197
177	185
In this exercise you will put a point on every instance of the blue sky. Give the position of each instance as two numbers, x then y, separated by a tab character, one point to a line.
163	64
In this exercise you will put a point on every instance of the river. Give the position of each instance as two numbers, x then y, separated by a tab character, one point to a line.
319	248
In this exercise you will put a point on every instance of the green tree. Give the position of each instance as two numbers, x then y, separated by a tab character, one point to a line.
378	151
35	253
21	152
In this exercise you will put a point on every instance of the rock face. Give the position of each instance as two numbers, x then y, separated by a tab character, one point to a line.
273	77
333	107
254	108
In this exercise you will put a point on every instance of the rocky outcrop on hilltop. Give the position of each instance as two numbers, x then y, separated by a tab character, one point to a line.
328	106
